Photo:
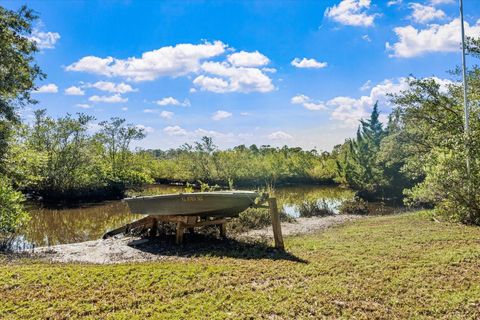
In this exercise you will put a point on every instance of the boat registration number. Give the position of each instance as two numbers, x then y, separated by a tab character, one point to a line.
192	199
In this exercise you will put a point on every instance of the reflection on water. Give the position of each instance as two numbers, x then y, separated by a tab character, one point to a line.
289	198
57	226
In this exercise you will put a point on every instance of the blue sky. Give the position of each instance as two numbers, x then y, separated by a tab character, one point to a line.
300	73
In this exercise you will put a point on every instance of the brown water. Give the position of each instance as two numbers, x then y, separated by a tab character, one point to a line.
67	225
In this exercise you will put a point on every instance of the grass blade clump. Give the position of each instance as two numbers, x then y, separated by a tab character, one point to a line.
319	208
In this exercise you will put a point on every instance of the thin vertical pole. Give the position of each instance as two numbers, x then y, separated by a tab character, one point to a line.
466	110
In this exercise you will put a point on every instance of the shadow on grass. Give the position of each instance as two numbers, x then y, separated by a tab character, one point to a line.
200	245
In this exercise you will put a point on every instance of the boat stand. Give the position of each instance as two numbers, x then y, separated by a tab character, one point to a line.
150	224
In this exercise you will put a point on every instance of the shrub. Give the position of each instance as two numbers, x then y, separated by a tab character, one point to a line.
354	206
449	186
12	214
255	218
315	209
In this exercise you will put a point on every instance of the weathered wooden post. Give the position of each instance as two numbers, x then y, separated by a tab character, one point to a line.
179	233
276	226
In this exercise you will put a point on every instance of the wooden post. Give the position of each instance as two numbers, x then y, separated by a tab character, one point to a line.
179	233
223	230
276	226
154	227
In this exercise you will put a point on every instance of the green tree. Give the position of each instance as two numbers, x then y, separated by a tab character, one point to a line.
116	137
360	168
18	71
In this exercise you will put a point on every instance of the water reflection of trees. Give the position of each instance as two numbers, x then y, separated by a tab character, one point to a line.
56	226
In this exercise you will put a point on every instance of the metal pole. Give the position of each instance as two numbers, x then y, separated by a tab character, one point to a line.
465	98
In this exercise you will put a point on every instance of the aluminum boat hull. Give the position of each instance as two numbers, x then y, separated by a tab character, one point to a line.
222	203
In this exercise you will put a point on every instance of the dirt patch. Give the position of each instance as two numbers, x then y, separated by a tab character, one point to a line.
303	226
125	249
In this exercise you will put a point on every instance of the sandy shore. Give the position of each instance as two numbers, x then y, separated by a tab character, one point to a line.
125	249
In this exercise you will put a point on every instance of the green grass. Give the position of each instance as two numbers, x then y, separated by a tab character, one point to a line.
383	267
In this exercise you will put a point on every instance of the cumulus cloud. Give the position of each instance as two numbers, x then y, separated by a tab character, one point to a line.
166	114
116	98
74	91
307	102
308	63
221	114
414	42
171	61
239	72
171	101
351	13
111	87
44	40
424	14
229	78
175	131
350	110
47	88
248	59
279	135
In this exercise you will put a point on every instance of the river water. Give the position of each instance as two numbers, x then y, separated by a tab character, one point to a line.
88	222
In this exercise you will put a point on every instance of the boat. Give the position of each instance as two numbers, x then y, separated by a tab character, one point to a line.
206	204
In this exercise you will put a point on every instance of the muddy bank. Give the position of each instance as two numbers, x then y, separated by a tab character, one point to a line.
252	244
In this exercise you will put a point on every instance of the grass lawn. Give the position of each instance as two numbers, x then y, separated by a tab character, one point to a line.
384	267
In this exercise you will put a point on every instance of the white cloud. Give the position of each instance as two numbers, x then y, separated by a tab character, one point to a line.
83	106
220	115
307	102
366	38
279	135
435	38
175	131
211	133
350	110
308	63
351	13
124	109
112	87
116	98
437	2
248	59
367	85
47	88
171	101
166	114
44	40
424	14
245	114
393	2
150	111
172	61
74	91
229	78
145	129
